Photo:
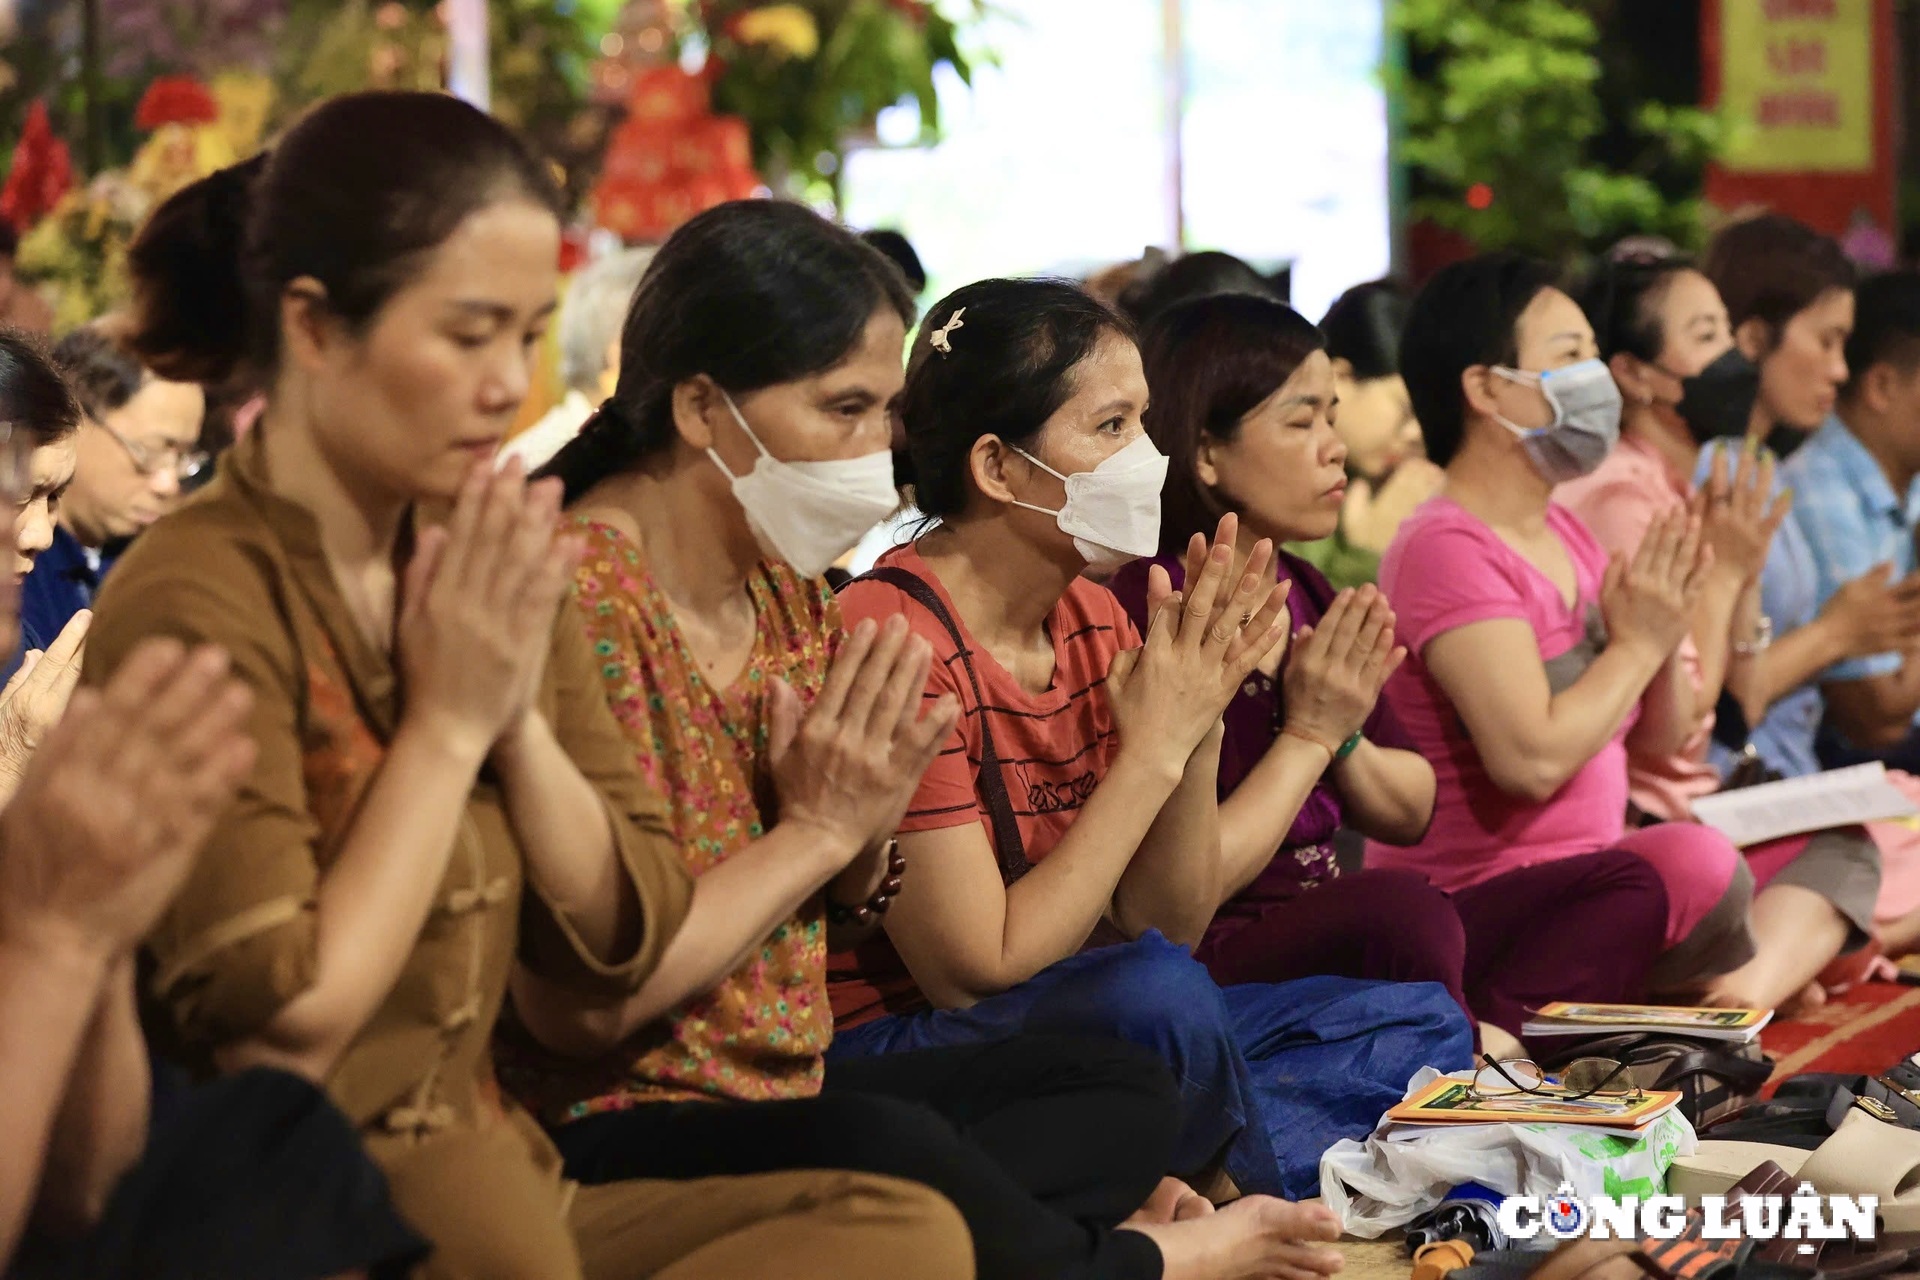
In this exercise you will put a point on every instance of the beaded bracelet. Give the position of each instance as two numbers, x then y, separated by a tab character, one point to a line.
863	915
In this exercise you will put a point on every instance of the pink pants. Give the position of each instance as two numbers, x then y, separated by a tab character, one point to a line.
1696	863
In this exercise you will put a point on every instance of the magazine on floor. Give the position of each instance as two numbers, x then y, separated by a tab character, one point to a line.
1569	1018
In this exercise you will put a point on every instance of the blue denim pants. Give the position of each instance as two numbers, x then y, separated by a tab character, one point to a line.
1270	1074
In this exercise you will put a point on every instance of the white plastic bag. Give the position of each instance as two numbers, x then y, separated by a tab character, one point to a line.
1401	1171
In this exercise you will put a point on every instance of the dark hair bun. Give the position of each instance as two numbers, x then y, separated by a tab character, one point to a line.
189	288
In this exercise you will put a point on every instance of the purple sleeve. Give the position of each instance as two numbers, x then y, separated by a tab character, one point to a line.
1129	587
1312	596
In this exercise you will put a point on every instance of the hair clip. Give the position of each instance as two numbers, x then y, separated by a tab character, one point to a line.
941	339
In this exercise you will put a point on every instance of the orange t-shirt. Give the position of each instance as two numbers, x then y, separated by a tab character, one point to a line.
1054	748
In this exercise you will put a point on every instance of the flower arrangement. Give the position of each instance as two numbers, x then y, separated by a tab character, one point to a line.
41	173
80	249
811	77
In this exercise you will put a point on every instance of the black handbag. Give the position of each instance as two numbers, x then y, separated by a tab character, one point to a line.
1806	1109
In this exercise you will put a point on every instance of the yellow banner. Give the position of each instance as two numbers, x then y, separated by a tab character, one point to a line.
1797	85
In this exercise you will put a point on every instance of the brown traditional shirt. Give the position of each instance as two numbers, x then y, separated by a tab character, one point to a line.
242	567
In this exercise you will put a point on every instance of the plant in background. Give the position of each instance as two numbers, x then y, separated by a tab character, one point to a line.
811	78
1500	105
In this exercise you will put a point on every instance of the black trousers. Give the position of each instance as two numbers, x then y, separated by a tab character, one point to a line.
254	1176
1044	1144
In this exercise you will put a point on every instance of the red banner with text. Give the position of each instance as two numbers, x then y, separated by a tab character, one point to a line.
1806	88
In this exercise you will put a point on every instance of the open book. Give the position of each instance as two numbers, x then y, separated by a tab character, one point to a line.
1565	1018
1794	806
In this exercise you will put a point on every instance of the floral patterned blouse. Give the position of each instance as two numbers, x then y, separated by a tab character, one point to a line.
761	1034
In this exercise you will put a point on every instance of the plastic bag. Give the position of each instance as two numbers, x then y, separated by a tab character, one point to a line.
1402	1171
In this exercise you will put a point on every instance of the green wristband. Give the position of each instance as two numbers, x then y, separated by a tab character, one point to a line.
1350	746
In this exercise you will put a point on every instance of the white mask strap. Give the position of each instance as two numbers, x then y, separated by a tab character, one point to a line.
742	420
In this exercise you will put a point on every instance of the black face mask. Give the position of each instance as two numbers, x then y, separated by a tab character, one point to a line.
1717	402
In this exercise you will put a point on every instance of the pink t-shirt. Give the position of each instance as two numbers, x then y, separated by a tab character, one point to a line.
1619	502
1447	570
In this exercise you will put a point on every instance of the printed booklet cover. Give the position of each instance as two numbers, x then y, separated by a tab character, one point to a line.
1450	1101
1563	1018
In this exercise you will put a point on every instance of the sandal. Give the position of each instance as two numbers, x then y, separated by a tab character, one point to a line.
1868	1153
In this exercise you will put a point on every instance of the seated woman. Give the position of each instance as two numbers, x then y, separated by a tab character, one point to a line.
1789	293
1076	801
1244	405
40	457
1388	473
108	1169
1663	329
1529	654
761	363
440	789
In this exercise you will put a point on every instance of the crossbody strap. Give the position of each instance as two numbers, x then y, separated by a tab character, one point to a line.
1010	848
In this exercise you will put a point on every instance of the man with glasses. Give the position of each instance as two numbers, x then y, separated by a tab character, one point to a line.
138	446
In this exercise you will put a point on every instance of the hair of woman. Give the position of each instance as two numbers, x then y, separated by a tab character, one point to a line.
996	358
751	294
1466	315
1210	362
356	196
1363	328
33	396
1772	268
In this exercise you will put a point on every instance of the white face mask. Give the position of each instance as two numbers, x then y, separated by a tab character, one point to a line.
809	514
1112	511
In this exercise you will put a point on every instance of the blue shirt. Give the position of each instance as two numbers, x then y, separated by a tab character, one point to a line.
1790	597
1853	521
63	582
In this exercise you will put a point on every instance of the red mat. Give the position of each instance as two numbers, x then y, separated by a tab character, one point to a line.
1864	1032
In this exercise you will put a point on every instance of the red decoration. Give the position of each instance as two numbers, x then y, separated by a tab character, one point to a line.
671	158
42	172
1479	196
912	10
175	100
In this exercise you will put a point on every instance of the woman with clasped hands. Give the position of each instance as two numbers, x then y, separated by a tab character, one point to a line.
440	793
1530	653
1076	804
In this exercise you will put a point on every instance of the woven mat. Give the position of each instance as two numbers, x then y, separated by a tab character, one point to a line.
1865	1031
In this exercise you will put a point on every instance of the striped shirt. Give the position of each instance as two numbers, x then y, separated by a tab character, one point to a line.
1054	747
